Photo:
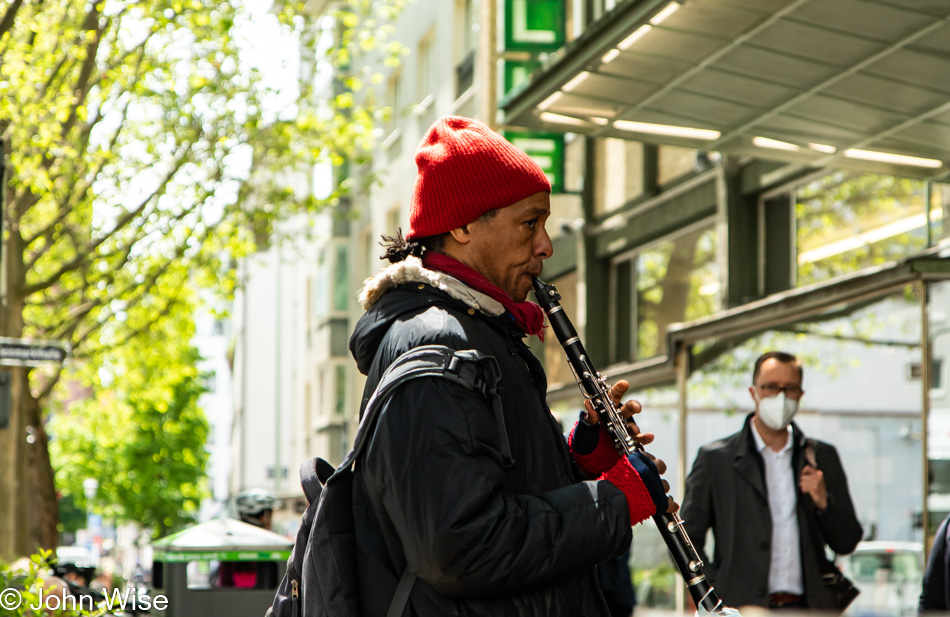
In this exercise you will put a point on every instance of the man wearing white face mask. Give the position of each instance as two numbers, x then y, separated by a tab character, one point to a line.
773	499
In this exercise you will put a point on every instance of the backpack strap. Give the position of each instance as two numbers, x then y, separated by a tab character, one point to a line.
402	594
313	475
469	368
946	559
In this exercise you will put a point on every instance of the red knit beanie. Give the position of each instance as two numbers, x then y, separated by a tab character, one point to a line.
465	170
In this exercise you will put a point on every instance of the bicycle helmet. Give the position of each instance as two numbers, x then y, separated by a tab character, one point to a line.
253	503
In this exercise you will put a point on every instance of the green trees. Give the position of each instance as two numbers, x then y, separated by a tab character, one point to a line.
141	434
142	155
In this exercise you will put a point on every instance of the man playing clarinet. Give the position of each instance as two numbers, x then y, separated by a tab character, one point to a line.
773	499
473	513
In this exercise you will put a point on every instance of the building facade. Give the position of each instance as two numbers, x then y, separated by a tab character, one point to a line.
731	176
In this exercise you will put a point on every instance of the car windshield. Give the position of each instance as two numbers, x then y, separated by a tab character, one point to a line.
882	567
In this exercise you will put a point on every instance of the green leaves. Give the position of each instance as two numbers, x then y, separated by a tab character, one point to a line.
146	157
141	434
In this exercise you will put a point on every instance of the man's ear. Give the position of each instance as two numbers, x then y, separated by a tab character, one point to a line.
462	234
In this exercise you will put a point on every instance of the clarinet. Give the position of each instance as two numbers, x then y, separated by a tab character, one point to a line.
595	389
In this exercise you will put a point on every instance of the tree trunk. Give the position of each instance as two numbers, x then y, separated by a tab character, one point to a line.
12	467
42	503
28	509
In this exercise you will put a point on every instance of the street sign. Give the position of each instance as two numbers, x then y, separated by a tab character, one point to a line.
31	352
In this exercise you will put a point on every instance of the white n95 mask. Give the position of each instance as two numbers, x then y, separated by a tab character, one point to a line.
777	411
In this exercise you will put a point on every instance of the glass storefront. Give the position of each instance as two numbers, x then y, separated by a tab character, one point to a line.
847	221
677	280
864	383
671	281
938	418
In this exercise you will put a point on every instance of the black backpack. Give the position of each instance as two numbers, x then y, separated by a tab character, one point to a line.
321	578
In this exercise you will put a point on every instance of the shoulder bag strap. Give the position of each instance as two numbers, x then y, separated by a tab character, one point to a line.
469	368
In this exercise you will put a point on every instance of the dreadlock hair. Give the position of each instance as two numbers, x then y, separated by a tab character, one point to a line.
397	248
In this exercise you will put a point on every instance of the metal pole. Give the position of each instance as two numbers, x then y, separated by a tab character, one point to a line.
682	377
246	267
4	184
928	197
277	371
926	377
486	55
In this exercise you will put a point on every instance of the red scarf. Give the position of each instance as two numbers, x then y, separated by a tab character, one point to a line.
527	315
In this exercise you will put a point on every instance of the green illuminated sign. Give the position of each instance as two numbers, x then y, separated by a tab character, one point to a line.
534	25
547	150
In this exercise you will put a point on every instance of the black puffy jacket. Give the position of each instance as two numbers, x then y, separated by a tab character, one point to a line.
432	490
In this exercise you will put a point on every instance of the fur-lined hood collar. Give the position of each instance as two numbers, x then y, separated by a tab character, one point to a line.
411	270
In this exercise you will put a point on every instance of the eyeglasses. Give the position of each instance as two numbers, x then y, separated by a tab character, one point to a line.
772	389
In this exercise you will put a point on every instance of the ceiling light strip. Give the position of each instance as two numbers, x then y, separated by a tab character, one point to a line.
666	129
889	157
668	10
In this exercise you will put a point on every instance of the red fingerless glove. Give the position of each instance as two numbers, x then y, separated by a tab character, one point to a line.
592	448
638	478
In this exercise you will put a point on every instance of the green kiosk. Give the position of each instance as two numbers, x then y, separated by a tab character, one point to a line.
221	568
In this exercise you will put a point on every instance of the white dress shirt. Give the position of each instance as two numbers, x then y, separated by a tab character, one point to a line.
785	571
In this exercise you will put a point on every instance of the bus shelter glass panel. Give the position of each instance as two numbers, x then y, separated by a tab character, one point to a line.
938	421
940	212
861	394
654	575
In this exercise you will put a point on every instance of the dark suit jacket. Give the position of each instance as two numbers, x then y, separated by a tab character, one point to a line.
726	491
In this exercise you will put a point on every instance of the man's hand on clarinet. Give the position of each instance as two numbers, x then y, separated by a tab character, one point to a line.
629	409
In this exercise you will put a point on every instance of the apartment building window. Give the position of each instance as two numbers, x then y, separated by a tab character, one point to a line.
394	220
339	395
371	253
321	303
308	407
309	311
392	144
341	278
428	77
465	46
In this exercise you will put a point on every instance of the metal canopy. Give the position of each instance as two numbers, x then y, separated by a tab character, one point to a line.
782	308
824	83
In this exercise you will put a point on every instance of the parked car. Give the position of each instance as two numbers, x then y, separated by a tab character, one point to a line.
889	575
77	555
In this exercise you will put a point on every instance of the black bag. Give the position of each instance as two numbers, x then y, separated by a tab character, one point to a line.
840	586
321	578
